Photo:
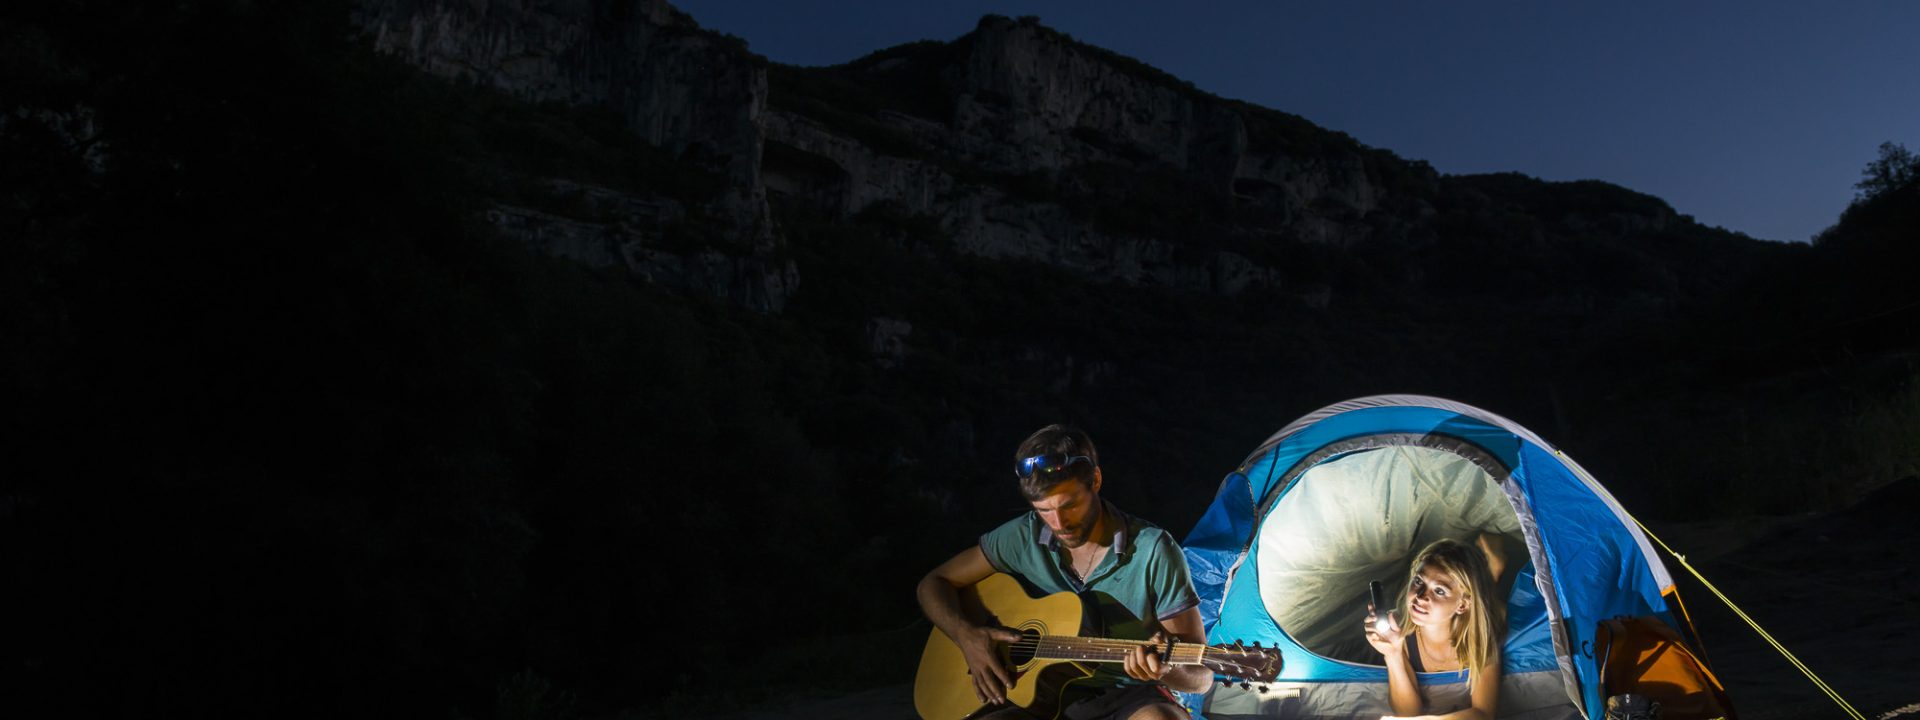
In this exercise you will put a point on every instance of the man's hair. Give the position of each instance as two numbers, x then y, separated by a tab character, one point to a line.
1063	440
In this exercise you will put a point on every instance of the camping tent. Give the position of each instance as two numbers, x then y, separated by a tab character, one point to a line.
1351	492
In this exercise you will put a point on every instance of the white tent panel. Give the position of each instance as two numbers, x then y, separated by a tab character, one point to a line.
1362	517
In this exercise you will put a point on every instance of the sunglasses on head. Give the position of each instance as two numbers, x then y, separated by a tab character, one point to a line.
1048	464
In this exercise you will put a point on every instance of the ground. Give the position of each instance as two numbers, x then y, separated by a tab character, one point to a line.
1841	591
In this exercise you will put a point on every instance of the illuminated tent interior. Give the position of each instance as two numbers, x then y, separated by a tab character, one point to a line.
1363	517
1351	493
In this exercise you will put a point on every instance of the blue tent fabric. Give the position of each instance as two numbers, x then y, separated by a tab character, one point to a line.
1229	518
1589	561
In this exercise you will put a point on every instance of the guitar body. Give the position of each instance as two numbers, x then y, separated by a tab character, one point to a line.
1051	655
943	690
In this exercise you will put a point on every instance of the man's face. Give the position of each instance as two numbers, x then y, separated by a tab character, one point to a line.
1070	510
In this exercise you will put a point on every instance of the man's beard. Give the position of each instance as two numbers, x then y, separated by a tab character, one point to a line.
1085	532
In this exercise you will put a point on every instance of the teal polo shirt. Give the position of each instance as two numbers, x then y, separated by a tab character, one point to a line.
1144	576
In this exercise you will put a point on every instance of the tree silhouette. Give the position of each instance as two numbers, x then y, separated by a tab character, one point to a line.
1897	167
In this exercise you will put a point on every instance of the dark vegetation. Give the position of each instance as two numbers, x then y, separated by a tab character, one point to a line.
288	431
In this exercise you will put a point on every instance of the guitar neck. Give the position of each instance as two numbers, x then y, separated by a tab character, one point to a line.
1063	647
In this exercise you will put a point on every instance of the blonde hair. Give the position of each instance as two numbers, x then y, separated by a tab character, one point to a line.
1479	630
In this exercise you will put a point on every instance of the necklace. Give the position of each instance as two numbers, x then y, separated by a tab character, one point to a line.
1435	662
1094	555
1093	559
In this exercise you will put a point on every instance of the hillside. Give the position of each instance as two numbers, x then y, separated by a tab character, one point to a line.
443	358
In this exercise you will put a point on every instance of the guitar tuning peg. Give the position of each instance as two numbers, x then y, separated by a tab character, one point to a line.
1246	686
1263	689
1256	644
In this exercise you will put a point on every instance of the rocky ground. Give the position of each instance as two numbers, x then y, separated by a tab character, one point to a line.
1840	591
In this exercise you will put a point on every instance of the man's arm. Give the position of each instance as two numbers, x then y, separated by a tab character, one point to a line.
1169	580
1186	628
1144	662
939	597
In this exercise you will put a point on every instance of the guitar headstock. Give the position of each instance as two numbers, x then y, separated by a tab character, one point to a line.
1245	664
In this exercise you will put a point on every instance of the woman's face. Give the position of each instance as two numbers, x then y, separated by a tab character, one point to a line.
1434	598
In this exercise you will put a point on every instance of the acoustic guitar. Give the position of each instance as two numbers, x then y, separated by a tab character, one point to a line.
1050	655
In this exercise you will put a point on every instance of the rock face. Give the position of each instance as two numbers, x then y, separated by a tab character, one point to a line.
1029	106
627	231
1020	143
1028	101
695	95
1025	103
682	90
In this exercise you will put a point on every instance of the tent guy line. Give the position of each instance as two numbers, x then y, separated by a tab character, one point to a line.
1764	635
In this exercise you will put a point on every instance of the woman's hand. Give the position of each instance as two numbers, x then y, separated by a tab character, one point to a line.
1391	644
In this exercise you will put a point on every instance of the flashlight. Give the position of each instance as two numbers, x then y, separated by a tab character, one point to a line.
1378	594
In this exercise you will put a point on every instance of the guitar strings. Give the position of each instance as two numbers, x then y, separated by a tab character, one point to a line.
1108	649
1103	649
1101	645
1097	642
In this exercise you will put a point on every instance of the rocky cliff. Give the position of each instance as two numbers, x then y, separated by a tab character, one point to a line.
697	96
1020	142
1031	135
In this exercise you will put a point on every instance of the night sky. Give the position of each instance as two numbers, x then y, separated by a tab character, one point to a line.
1753	116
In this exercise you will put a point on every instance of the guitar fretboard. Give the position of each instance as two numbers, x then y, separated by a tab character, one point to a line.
1104	650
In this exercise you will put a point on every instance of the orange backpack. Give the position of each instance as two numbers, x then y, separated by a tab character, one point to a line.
1645	656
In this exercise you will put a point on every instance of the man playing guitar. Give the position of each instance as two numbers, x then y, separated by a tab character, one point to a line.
1129	574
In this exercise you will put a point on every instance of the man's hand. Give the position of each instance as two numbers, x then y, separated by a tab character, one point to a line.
990	677
1144	663
939	598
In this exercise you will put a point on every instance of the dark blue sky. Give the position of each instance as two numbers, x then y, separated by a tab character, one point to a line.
1754	116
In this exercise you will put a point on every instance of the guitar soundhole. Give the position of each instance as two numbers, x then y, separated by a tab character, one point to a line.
1021	653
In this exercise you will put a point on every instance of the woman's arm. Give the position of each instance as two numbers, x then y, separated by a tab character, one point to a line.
1485	695
1494	546
1403	689
1486	692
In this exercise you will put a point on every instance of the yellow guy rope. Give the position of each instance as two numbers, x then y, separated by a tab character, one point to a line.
1855	714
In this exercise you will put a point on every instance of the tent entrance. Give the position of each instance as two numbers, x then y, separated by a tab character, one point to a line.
1360	512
